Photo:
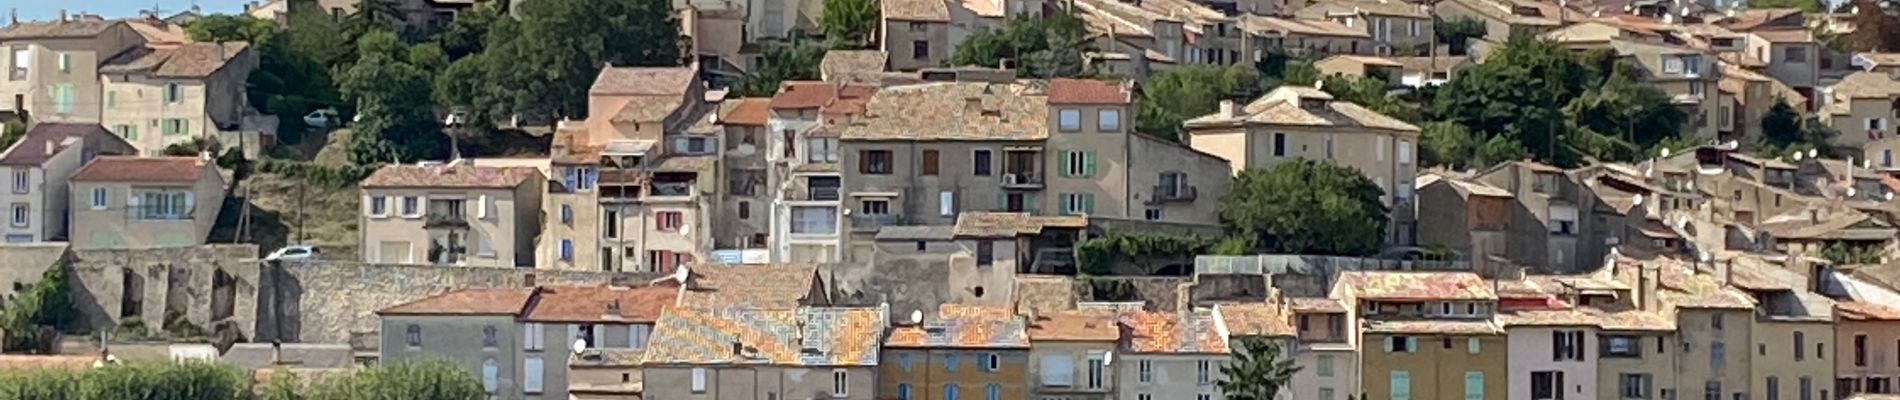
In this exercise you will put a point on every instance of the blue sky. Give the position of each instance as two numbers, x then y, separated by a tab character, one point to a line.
42	10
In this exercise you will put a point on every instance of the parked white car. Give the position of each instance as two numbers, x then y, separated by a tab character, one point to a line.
293	253
322	118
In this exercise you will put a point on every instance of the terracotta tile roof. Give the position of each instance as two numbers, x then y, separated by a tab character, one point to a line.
1506	11
1866	85
31	150
598	304
1316	305
1159	332
157	30
186	60
141	169
1276	26
1755	18
1880	59
770	286
748	112
1785	36
643	81
1255	319
649	108
954	111
1378	285
1075	326
1088	91
56	29
848	62
964	327
1006	224
1455	327
1690	290
917	10
23	362
609	358
1637	320
445	177
804	336
1865	311
1833	225
484	301
1281	107
797	95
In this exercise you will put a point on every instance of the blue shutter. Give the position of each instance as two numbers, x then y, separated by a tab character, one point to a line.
1066	205
1474	385
996	392
950	392
950	362
903	391
571	177
1401	385
567	250
1088	203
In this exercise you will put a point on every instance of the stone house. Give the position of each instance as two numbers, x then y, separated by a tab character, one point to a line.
1068	355
454	214
1867	350
746	209
1392	24
1427	334
1465	215
1689	76
1309	37
1863	106
1294	122
53	67
800	352
973	351
1362	67
1504	19
803	153
919	34
130	202
1170	355
38	166
1328	349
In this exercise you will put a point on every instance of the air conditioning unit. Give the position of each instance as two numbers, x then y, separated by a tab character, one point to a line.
1012	179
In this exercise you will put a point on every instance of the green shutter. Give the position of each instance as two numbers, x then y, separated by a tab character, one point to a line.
1063	157
1401	385
1002	201
1030	204
1065	205
1474	385
131	131
1088	203
184	126
112	99
1088	164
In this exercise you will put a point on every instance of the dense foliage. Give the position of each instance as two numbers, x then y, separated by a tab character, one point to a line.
47	306
209	381
1558	106
1876	29
850	23
391	94
1040	47
1457	33
231	28
1184	93
794	61
543	63
1097	256
1785	132
1307	207
1261	369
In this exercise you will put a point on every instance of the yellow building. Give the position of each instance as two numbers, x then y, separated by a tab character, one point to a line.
1427	335
965	352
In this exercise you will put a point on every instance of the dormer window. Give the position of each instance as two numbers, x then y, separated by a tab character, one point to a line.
1311	103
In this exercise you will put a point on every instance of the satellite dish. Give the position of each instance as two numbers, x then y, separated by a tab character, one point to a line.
681	274
1797	156
916	316
1665	152
1704	256
1812	153
1851	192
1108	358
1637	200
1888	196
580	345
686	229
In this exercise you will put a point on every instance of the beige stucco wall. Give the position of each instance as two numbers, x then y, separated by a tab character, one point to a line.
583	229
1174	375
40	224
1882	352
1079	354
929	373
86	55
113	226
1343	381
899	39
1774	356
918	195
1437	372
1695	367
1358	149
1208	174
1531	351
1853	124
513	220
1804	72
139	102
1657	359
759	382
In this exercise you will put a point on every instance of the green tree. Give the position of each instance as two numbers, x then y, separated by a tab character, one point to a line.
1626	114
1451	145
283	385
1259	371
465	35
1307	207
1876	29
850	23
1179	94
1785	132
392	98
544	63
1558	105
293	75
48	305
1806	6
434	380
230	28
1042	47
429	57
793	61
11	132
1457	33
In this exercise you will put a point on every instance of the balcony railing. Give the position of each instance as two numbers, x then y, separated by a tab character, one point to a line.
1167	193
155	213
664	189
1023	180
825	193
444	221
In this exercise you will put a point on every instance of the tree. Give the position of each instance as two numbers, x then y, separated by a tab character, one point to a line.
1258	372
1806	6
1785	132
11	132
1177	95
47	306
1626	114
1876	29
1307	207
544	63
1042	46
465	35
850	23
434	380
230	28
1451	145
793	61
373	15
392	98
1457	33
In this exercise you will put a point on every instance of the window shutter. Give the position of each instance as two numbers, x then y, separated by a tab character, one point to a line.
1067	203
1088	164
1557	346
572	331
1088	203
1474	386
1002	201
481	204
1401	385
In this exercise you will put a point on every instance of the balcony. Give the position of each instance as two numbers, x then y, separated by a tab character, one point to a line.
1022	168
444	220
1022	180
670	189
1172	193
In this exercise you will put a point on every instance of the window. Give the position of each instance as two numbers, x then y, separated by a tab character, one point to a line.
1718	356
947	203
919	50
1774	388
1152	214
903	391
669	221
637	335
1078	164
1279	145
412	336
839	381
1325	393
1795	55
1097	370
1715	321
63	98
1471	345
992	362
490	375
1621	346
490	337
1108	120
820	150
1474	385
1069	120
1800	347
173	93
1672	65
1078	203
874	162
567	213
1401	384
1057	371
994	392
1203	372
929	163
1692	64
1405	152
950	362
1634	386
532	335
876	207
986	256
567	250
1876	124
950	392
1697	89
1324	366
128	131
378	206
699	380
1807	388
1401	344
411	206
1547	385
112	99
1712	390
980	160
1860	349
1567	345
1144	371
21	215
1329	147
22	62
22	180
98	198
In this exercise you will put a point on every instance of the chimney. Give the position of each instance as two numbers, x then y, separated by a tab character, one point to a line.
738	349
1646	286
527	280
62	15
50	147
1227	109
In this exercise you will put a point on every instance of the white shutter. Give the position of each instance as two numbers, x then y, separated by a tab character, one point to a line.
573	331
699	379
946	202
531	375
637	335
481	212
594	341
535	335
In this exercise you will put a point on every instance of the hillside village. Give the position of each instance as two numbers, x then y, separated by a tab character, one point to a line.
931	199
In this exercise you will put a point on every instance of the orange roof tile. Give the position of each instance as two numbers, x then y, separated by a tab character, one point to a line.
798	95
484	301
1087	91
1157	332
757	286
601	304
1077	326
1382	285
1456	327
1255	319
809	336
141	169
446	177
964	326
1864	311
750	112
1316	305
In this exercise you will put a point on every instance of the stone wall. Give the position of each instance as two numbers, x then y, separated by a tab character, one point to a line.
336	302
212	287
23	266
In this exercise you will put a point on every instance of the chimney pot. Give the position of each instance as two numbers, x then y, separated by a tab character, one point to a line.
1226	108
527	279
50	147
